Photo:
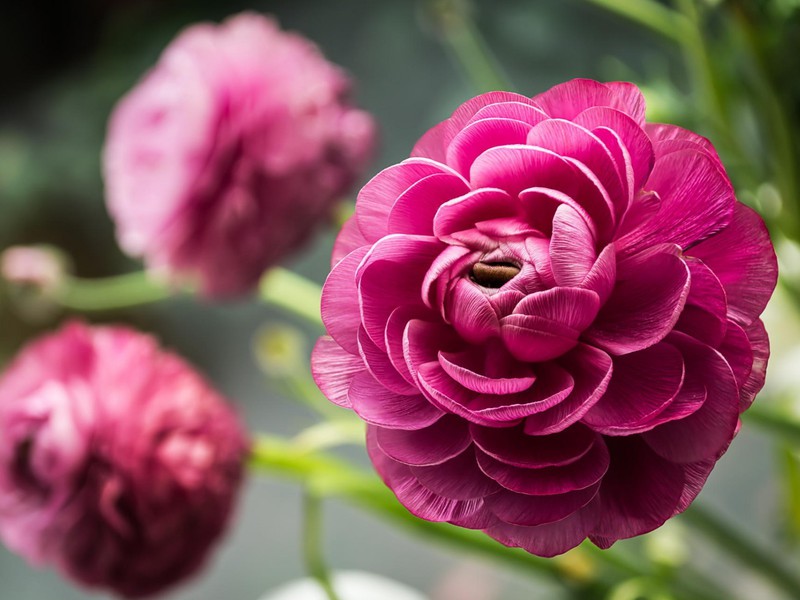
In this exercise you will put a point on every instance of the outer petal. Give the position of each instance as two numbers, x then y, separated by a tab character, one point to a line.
333	369
743	259
697	201
644	306
569	99
340	301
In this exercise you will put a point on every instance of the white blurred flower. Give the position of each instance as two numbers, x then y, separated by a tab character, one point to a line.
349	585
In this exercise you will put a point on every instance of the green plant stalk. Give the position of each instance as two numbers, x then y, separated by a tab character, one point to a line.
292	293
737	545
110	293
650	14
312	544
468	47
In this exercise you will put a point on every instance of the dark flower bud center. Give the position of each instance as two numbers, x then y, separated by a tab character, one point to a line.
493	275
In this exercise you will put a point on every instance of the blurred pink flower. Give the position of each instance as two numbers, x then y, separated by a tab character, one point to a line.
37	266
230	152
548	317
119	465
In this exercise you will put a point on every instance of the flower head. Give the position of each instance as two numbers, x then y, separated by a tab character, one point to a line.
230	152
119	465
548	316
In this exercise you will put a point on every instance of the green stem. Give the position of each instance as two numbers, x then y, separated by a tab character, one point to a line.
739	546
328	476
293	293
459	32
110	293
312	544
650	14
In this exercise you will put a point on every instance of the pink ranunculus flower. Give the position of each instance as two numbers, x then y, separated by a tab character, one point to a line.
231	152
548	316
119	465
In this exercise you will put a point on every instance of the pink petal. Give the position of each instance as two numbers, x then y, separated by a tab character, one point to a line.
642	386
603	275
738	352
759	343
706	433
704	316
584	472
481	135
569	99
640	491
350	238
546	540
668	138
379	406
376	198
462	213
391	275
467	111
635	140
339	306
333	369
743	259
431	144
458	478
696	201
572	252
462	368
540	205
552	385
418	499
423	340
512	446
525	510
644	306
517	111
568	139
547	324
381	368
415	208
622	159
395	337
446	438
468	309
591	369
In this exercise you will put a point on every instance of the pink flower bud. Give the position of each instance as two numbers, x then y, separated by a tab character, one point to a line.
119	464
230	152
35	266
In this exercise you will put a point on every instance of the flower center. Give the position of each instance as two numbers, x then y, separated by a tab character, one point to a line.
493	275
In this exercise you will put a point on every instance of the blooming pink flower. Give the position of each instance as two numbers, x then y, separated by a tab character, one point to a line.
230	152
119	465
548	317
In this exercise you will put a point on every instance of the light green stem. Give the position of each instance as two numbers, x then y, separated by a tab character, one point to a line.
459	32
293	293
650	14
312	544
328	476
111	293
742	548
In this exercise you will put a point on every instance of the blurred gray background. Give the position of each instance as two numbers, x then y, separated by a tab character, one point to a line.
63	66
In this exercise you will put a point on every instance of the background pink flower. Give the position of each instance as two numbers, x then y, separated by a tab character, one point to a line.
548	317
230	152
119	465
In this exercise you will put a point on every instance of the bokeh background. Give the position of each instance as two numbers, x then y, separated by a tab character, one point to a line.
62	67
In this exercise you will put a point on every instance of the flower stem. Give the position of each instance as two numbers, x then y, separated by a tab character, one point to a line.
650	14
736	544
328	476
293	293
458	31
312	544
110	293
